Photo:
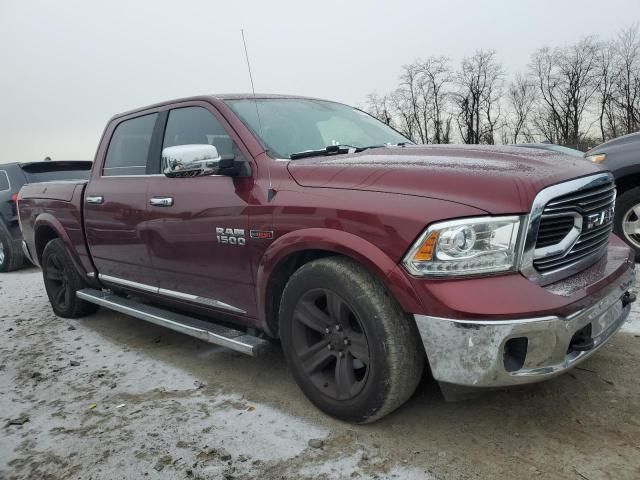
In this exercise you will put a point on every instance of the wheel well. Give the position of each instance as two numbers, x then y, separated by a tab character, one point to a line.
279	278
627	182
44	235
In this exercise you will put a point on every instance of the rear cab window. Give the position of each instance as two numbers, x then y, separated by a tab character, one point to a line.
129	146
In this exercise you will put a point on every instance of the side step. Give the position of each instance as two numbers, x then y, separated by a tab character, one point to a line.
209	332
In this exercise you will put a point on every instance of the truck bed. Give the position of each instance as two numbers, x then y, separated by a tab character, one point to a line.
37	201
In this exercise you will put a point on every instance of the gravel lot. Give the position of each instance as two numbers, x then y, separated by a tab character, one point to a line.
111	397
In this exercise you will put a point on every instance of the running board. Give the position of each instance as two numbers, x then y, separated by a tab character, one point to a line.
209	332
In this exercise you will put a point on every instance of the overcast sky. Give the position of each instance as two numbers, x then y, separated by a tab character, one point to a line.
67	66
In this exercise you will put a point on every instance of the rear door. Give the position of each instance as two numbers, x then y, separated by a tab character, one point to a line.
115	206
199	244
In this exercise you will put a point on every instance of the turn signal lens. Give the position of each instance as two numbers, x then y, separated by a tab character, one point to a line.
598	158
14	197
425	252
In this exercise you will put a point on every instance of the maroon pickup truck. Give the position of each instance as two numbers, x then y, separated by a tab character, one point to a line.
239	220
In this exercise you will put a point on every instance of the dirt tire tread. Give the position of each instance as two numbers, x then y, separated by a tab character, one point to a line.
14	257
78	308
404	352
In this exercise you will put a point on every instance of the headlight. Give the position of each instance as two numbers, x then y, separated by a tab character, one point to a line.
597	158
466	247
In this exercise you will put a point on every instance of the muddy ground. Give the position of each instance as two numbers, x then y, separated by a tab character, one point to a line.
111	397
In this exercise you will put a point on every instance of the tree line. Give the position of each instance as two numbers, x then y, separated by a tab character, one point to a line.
578	94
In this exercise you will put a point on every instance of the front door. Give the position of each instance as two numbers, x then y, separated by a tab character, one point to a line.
197	231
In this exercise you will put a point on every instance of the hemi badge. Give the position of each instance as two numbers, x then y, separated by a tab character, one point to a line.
261	234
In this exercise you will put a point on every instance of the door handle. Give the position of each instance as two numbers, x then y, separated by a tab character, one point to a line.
95	199
161	201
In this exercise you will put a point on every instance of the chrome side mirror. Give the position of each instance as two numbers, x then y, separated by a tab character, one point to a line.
193	161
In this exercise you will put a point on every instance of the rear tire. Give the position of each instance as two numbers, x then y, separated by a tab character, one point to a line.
11	256
627	219
352	350
62	281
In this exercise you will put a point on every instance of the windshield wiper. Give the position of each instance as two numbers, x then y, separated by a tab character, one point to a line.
334	150
328	150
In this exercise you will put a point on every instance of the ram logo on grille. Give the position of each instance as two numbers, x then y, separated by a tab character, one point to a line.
598	219
560	242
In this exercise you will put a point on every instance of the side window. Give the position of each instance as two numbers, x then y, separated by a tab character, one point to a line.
4	181
129	147
196	125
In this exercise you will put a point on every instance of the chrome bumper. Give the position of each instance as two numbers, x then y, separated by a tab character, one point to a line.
480	354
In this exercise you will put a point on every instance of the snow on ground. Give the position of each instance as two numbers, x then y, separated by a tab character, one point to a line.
110	397
97	408
632	325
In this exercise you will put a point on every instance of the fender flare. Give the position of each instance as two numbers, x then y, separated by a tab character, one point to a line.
340	242
626	176
49	221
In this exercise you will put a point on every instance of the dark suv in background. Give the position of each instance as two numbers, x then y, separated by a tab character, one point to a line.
622	156
12	177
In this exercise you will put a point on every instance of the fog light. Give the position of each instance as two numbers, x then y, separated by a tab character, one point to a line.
515	351
582	341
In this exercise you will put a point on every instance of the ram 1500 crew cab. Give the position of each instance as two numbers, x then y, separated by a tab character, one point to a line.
238	219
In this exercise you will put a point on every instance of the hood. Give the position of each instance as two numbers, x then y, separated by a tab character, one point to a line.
498	180
631	140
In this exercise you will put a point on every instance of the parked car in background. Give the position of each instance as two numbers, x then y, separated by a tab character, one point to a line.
622	157
553	148
12	177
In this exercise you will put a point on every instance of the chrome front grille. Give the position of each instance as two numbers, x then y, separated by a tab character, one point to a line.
553	229
575	226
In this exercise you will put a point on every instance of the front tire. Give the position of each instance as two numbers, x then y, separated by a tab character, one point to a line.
627	219
352	350
62	281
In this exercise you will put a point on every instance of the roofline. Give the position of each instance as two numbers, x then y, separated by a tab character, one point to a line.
50	162
34	162
220	97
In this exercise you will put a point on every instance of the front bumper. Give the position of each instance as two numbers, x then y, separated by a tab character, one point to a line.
498	353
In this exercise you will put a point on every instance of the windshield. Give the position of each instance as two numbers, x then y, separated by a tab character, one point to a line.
291	125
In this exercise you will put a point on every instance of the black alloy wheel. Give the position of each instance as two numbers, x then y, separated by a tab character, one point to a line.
62	281
330	344
350	347
56	279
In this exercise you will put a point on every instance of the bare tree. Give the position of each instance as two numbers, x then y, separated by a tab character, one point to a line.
435	81
570	92
520	97
628	77
412	92
607	115
566	78
402	108
379	106
419	106
479	82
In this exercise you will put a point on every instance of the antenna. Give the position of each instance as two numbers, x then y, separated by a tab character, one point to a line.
271	192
